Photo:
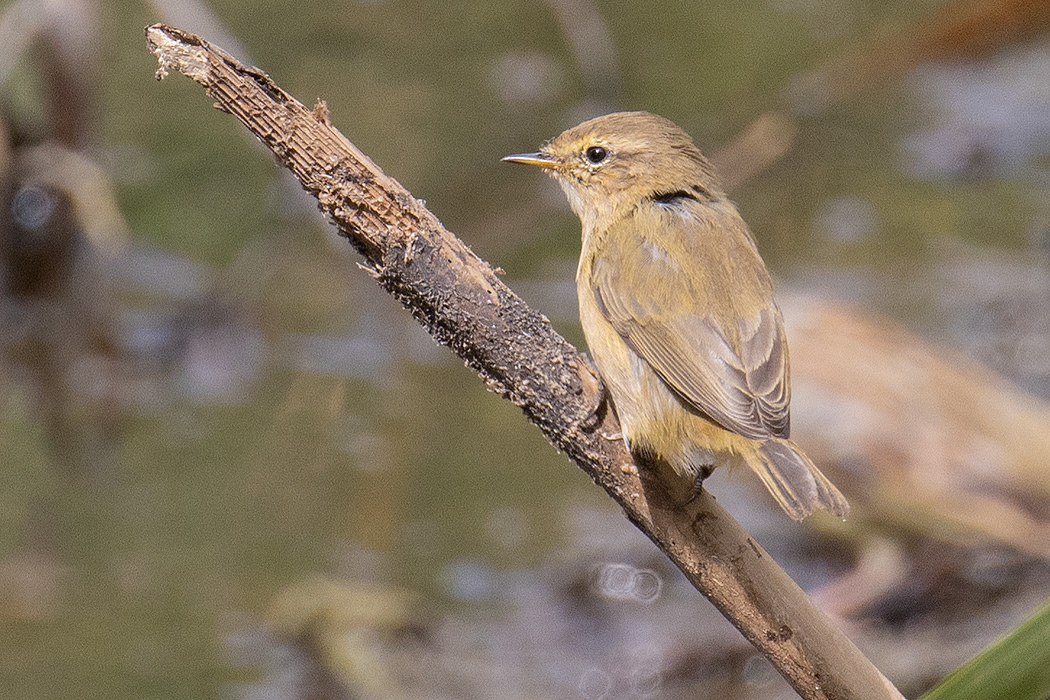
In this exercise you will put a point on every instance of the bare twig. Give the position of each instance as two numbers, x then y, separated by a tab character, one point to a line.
460	301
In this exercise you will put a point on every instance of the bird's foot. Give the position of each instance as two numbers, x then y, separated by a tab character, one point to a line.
698	486
596	412
702	474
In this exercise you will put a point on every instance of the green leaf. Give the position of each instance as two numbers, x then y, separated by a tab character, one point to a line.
1014	667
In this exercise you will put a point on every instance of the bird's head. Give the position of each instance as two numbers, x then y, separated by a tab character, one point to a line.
617	160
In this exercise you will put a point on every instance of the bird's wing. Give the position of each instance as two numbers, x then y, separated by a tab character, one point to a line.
711	331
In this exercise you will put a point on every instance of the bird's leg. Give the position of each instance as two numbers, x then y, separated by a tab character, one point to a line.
595	412
702	473
664	485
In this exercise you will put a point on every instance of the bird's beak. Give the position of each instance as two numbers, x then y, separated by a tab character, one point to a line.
540	159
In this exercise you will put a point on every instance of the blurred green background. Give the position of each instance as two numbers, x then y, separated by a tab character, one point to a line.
228	413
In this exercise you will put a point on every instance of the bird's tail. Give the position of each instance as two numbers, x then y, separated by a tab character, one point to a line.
795	482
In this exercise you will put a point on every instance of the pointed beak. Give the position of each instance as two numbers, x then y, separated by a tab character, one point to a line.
539	159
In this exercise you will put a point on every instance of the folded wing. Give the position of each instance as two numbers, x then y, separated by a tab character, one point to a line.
712	334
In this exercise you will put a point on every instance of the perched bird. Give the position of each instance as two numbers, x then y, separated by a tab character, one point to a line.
677	307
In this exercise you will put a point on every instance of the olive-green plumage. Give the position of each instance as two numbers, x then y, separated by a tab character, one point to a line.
677	307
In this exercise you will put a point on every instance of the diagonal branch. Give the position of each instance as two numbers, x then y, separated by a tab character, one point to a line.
460	301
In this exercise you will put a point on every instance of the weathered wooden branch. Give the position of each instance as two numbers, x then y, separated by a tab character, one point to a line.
458	298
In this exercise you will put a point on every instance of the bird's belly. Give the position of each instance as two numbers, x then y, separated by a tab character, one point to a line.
654	420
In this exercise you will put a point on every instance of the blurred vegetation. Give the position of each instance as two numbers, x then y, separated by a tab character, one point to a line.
1014	667
248	411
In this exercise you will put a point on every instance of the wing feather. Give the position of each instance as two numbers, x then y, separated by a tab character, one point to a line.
732	366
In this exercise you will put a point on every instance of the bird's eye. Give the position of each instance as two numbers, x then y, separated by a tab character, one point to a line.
596	154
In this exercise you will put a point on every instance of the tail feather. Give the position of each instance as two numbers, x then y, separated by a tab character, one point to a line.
795	482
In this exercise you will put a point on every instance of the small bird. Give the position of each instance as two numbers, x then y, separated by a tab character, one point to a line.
677	307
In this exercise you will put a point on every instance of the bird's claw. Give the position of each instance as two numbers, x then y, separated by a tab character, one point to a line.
595	413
